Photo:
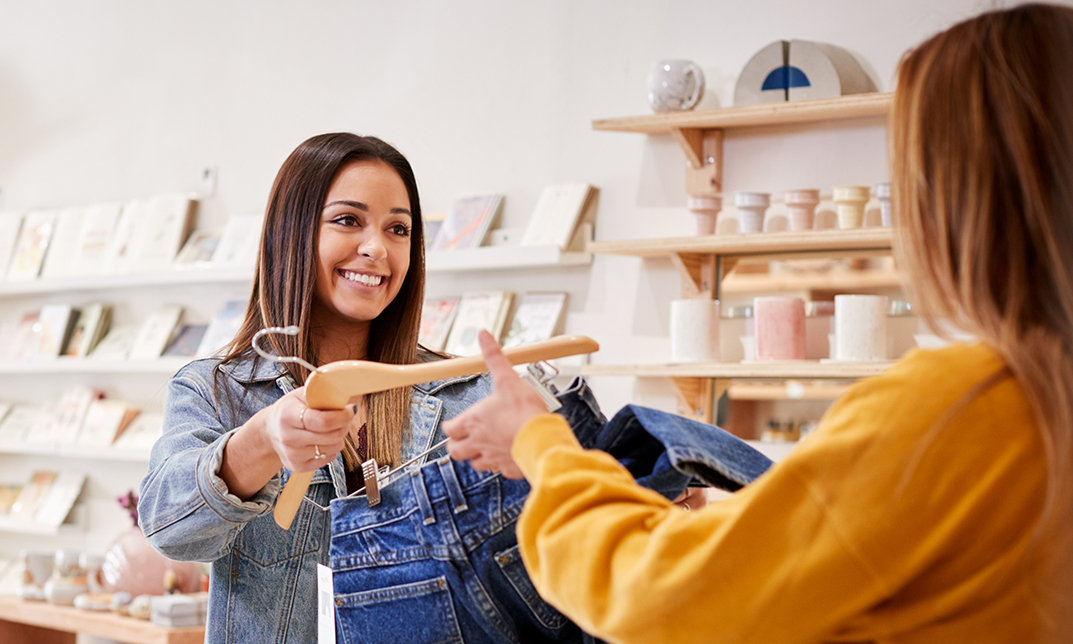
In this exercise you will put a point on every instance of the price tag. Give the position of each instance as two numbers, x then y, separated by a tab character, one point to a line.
325	606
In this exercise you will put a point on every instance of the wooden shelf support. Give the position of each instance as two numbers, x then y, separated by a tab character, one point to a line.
703	150
698	274
697	397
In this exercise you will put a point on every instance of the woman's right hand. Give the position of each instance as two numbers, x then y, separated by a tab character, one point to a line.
305	439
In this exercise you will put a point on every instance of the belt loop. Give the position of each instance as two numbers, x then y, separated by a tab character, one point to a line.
421	494
454	487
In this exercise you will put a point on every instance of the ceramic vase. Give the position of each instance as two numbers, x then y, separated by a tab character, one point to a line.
706	208
850	201
751	208
801	207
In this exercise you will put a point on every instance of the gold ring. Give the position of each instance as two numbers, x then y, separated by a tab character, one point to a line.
302	418
316	452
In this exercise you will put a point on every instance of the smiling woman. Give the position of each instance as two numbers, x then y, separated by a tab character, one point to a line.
341	258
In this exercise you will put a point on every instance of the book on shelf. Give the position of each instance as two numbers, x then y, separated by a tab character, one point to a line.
436	319
34	237
222	328
61	423
478	310
143	432
557	214
94	236
10	225
8	493
468	221
158	237
59	499
18	422
105	421
32	494
116	343
155	333
186	342
432	222
120	254
198	250
55	325
59	260
23	343
92	324
538	317
239	241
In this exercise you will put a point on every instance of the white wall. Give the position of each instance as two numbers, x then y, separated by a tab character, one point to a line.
105	100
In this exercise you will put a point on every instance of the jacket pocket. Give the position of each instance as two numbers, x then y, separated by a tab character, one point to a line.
263	542
510	562
417	613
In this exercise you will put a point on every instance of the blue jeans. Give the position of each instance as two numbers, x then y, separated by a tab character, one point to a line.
437	560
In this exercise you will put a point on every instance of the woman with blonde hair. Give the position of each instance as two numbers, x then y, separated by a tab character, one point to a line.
935	502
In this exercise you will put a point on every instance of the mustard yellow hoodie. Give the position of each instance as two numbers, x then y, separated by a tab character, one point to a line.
906	517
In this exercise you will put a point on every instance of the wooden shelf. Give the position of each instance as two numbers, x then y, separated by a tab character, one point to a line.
47	623
164	366
796	370
844	107
774	451
846	281
780	245
131	280
791	390
503	257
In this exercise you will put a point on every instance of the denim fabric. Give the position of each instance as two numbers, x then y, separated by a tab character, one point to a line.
263	578
437	560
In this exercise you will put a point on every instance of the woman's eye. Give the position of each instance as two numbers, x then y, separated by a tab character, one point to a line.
347	220
401	230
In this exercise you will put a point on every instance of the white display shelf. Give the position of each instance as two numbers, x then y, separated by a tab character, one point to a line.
8	524
76	451
503	257
162	366
129	280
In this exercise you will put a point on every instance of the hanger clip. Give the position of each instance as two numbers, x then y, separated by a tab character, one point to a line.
539	376
372	481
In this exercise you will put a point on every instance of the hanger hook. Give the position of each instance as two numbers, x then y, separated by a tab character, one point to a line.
286	330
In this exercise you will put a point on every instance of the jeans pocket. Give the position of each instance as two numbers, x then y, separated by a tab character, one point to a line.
391	615
510	562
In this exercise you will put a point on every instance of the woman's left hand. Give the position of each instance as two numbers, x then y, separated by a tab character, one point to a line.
484	433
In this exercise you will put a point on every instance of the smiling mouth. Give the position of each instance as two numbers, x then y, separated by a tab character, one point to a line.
362	278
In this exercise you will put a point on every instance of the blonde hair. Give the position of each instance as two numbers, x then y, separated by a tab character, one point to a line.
982	173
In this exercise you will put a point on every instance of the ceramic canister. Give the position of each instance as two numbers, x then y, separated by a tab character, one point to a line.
801	205
751	208
694	330
675	85
883	195
850	201
780	328
860	328
706	208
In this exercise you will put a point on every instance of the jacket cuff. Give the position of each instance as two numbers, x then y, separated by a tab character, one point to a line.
214	490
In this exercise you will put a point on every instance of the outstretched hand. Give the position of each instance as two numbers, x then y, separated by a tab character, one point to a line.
484	433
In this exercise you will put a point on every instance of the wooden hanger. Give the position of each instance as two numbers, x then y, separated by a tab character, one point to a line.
334	385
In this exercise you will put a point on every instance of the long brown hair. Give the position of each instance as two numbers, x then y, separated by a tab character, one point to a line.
286	273
982	171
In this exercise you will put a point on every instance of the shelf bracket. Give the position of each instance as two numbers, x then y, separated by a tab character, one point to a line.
698	274
703	150
697	397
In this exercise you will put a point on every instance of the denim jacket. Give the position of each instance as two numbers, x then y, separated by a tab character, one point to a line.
263	581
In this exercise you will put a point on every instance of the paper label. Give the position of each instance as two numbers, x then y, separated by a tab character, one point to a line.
325	606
